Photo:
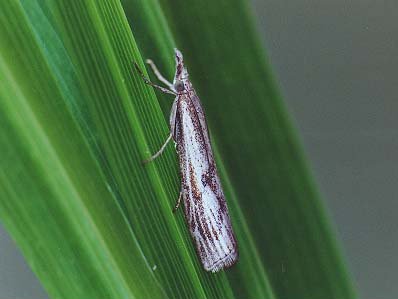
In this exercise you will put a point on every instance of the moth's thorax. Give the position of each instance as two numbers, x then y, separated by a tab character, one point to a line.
184	87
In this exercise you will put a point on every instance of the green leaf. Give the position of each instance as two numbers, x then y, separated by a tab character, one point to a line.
77	120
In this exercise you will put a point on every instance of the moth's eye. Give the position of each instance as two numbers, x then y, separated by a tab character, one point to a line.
179	86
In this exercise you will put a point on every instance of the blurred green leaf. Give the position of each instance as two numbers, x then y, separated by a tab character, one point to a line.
76	122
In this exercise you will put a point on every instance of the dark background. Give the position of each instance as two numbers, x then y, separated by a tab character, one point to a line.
336	62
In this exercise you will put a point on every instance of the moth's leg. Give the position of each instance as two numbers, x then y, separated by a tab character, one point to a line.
178	202
158	74
160	151
147	81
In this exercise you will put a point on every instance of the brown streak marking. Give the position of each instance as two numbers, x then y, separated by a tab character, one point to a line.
214	232
202	231
219	225
207	230
200	128
194	188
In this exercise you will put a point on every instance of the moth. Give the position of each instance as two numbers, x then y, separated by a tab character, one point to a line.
205	207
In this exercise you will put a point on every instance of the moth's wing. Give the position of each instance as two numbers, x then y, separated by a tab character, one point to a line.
210	226
173	119
204	203
202	121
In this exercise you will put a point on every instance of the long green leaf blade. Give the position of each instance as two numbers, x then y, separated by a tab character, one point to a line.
55	200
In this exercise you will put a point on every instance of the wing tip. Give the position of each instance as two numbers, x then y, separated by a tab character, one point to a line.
225	262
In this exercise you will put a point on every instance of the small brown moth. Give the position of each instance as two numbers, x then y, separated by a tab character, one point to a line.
205	207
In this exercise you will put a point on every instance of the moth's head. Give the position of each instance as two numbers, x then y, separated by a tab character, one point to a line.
181	71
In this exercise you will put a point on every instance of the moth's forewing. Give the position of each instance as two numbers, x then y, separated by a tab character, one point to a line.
204	203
